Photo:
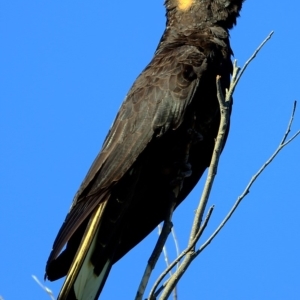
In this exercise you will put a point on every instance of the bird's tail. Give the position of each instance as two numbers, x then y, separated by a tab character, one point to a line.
81	282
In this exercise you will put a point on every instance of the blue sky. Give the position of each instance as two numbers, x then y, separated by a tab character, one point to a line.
66	66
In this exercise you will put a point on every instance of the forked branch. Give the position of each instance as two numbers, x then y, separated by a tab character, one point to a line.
189	254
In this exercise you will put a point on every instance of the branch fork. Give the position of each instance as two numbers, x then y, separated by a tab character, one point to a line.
198	227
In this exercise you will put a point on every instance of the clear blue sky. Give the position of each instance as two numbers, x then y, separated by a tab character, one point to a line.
65	69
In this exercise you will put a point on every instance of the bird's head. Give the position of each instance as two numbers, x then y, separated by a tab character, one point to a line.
201	12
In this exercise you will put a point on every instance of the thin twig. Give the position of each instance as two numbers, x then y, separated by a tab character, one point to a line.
224	104
159	289
47	290
290	123
179	257
240	73
166	257
175	241
177	254
156	251
225	115
253	179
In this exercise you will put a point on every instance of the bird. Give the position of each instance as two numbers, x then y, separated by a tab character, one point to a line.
156	150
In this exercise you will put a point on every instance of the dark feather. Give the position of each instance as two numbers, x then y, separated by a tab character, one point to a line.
145	148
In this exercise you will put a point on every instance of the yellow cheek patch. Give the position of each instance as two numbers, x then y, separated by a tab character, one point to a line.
185	4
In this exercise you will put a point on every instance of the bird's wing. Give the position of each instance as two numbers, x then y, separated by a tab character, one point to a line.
155	104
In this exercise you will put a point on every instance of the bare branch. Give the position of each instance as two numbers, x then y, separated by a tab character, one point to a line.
190	255
158	290
290	124
224	120
47	290
253	179
166	257
292	138
179	257
239	74
156	251
225	111
175	241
